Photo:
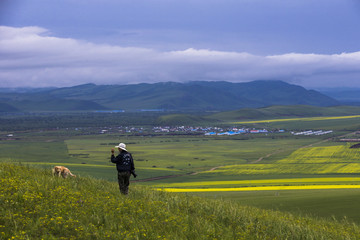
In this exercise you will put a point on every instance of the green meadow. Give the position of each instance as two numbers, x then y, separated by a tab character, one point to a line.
332	203
275	171
154	156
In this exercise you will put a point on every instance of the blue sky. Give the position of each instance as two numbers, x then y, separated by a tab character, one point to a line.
314	44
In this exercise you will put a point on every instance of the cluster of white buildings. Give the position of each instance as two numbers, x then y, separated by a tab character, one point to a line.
311	132
122	130
236	131
208	131
182	129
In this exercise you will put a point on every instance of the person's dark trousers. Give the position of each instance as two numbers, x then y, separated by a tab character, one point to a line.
124	181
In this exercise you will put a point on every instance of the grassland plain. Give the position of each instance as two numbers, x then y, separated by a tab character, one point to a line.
160	156
189	153
322	161
154	156
36	205
332	203
328	166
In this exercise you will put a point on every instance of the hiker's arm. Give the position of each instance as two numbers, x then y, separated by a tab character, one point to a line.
113	158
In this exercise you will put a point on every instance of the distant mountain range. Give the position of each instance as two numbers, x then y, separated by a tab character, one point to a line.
191	96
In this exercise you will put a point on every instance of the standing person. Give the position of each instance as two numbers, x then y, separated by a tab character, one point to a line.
125	167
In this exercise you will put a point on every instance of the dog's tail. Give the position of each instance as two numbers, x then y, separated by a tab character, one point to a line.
73	175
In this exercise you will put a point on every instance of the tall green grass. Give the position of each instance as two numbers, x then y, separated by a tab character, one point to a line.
36	205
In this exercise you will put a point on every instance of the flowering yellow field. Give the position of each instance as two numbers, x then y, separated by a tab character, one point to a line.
312	160
315	160
300	119
288	169
328	154
267	188
260	185
347	180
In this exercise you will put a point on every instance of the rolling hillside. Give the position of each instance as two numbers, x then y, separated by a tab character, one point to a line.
5	107
192	96
272	112
36	205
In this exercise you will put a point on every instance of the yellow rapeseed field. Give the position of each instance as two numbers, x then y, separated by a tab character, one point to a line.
340	159
350	180
250	169
324	154
267	188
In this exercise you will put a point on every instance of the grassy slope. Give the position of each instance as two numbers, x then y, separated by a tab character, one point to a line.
5	107
184	119
275	112
35	205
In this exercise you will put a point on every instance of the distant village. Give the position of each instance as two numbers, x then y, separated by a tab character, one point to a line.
181	130
207	131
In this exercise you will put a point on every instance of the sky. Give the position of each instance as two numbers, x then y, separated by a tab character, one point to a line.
61	43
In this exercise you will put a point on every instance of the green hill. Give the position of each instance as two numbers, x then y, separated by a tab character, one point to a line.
36	205
57	105
4	107
183	119
272	112
295	111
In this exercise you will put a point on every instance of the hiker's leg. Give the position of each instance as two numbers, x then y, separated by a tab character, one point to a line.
126	182
121	182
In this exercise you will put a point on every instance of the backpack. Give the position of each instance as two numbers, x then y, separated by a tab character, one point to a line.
125	164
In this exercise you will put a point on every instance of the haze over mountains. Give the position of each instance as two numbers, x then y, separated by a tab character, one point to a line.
191	96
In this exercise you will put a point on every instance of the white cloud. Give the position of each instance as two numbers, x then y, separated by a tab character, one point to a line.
31	56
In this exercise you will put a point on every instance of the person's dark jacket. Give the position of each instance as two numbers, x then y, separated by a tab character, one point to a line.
124	162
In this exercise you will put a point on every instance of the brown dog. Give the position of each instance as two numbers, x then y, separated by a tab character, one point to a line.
62	171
